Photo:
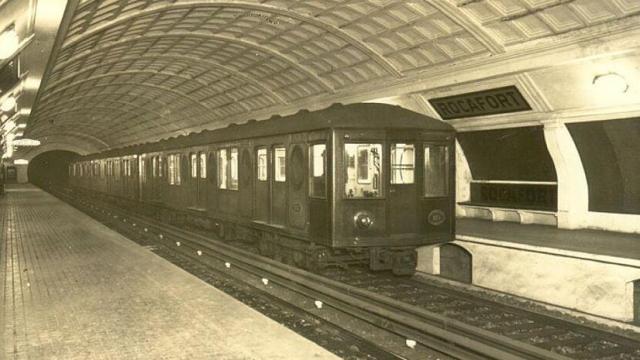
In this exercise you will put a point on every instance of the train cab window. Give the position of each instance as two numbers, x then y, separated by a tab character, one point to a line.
363	177
318	166
203	165
262	164
436	170
280	164
403	163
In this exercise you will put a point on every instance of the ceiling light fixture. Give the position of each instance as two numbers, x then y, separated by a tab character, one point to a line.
9	43
611	83
8	103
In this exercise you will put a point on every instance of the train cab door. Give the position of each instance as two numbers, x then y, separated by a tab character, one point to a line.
261	185
278	185
202	195
403	189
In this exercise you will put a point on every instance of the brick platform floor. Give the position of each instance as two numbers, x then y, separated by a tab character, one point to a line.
73	289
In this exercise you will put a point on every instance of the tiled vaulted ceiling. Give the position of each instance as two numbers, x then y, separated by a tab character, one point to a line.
131	71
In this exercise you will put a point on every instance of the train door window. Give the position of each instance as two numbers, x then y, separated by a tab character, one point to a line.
318	166
143	170
194	165
222	168
363	177
233	160
203	165
262	164
178	169
280	164
436	170
403	163
172	170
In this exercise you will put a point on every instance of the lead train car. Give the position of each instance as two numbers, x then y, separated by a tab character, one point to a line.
350	183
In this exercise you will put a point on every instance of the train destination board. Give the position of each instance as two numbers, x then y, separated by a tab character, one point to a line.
488	102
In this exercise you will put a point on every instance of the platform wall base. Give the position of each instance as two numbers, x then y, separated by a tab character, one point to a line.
593	284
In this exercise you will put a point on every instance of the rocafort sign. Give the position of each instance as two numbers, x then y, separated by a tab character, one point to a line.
488	102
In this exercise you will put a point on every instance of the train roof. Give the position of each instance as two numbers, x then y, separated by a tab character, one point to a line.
360	115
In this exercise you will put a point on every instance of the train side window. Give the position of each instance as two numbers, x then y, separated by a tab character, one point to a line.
154	166
172	169
194	165
318	166
363	176
203	165
403	163
233	162
436	170
262	164
160	166
280	164
222	168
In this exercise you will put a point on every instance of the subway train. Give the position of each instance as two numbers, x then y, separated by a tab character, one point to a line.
360	183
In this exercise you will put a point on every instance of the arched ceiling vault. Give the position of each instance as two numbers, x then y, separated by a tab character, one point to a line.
130	71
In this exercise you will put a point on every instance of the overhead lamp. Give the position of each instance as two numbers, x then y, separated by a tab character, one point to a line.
9	43
611	83
4	118
8	103
9	125
22	126
20	162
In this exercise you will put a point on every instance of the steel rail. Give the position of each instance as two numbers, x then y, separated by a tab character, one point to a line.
432	330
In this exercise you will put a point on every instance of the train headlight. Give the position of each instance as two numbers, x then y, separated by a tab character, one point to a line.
363	220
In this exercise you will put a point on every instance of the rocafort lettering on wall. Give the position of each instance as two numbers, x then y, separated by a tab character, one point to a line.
488	102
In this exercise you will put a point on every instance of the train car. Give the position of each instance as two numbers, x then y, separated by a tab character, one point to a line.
2	175
350	183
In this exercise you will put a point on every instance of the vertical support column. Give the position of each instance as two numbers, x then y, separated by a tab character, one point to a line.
573	191
463	180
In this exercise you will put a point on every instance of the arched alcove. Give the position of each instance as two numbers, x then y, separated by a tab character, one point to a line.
456	263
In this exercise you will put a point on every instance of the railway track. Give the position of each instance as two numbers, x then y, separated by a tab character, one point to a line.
406	319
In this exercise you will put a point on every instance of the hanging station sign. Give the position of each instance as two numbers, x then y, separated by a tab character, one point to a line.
502	100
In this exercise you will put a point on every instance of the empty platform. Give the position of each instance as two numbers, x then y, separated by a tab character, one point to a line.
593	272
594	242
74	289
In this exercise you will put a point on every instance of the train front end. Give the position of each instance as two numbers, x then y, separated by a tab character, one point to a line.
394	192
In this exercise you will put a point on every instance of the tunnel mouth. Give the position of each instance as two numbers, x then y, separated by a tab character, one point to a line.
51	168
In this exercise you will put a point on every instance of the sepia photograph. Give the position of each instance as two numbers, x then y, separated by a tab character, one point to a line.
319	179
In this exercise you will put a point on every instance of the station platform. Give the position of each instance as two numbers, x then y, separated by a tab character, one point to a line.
595	242
74	289
592	273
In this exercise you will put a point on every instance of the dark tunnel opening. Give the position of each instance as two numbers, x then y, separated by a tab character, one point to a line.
50	168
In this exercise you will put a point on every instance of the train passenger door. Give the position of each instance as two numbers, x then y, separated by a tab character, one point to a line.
193	182
403	190
142	177
297	176
201	202
279	185
261	202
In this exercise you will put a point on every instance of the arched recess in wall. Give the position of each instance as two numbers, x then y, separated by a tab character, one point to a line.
456	263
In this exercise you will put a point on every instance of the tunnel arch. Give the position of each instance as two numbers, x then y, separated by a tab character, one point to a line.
50	168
